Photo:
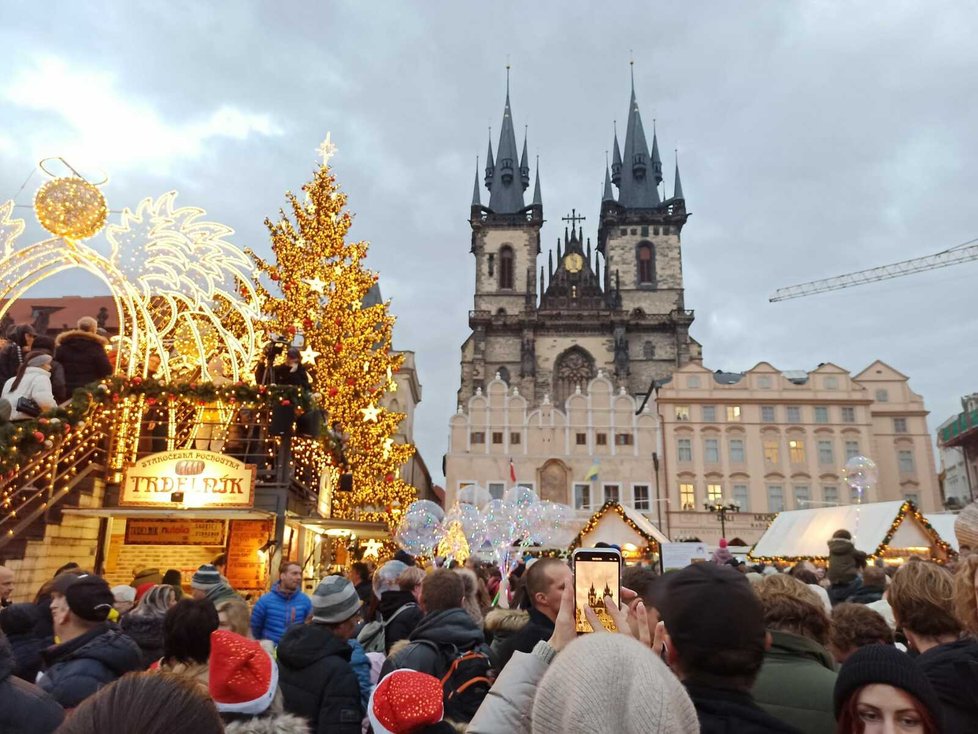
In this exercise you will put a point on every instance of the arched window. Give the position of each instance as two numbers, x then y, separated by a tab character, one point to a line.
503	374
574	368
648	350
646	263
506	267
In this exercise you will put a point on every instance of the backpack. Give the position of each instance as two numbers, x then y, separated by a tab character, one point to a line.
373	636
466	678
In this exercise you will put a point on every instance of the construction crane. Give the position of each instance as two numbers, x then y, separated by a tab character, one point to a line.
965	252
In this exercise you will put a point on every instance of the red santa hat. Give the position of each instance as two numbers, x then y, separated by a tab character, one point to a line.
404	702
243	677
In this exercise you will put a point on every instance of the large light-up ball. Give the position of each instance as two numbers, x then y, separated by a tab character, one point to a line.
70	207
860	473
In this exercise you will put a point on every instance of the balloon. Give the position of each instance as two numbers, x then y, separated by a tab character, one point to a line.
474	495
427	509
860	473
500	526
562	523
520	496
420	528
471	521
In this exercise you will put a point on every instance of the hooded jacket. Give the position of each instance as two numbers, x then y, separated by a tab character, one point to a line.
83	356
278	610
448	630
952	670
24	708
501	624
19	623
539	627
76	669
317	680
796	683
404	623
842	561
147	632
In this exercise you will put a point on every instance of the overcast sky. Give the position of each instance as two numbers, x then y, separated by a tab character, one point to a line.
815	138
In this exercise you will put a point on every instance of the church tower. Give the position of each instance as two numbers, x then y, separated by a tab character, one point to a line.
505	243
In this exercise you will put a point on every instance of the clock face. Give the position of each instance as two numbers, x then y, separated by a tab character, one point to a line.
574	263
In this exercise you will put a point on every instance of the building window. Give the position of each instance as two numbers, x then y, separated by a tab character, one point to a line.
855	496
582	496
714	493
682	412
687	496
831	495
802	496
767	413
711	451
831	383
899	425
848	415
852	449
496	490
623	439
775	498
581	439
741	497
640	494
736	451
478	437
709	413
646	264
506	268
733	414
601	439
648	350
573	370
882	396
796	451
515	438
645	230
497	437
684	447
821	414
612	493
825	453
764	382
905	460
771	453
794	414
693	382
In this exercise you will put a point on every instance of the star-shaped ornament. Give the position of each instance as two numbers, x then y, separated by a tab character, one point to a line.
308	355
316	284
371	413
326	149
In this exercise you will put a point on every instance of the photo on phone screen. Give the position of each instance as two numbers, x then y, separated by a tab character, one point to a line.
597	573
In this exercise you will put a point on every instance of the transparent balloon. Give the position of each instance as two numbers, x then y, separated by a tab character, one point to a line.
500	525
860	473
471	520
426	509
563	524
474	495
520	497
418	535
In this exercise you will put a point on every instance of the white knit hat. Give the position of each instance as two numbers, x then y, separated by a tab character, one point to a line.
610	682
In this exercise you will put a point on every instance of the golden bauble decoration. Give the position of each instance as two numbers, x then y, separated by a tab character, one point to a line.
70	207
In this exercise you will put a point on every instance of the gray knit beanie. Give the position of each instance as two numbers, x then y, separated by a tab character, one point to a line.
611	682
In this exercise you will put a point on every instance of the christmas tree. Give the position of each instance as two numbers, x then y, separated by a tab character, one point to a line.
345	347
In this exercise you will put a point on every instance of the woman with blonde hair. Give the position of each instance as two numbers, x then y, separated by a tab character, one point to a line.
966	593
470	602
144	624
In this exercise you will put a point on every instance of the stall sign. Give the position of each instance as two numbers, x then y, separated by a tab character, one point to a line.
174	532
247	565
188	478
679	555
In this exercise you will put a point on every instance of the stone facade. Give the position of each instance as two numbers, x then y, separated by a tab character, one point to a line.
405	400
771	441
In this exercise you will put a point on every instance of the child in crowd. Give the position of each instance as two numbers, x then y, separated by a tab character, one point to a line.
842	558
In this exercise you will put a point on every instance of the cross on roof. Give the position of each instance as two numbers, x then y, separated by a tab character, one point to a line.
574	218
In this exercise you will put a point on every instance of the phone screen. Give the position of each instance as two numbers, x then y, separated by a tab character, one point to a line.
597	573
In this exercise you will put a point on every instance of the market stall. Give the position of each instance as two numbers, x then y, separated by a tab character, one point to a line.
625	527
892	531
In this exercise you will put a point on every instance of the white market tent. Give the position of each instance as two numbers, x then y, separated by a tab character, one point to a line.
943	523
618	525
878	529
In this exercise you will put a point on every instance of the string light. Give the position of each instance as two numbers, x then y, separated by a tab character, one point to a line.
652	545
70	207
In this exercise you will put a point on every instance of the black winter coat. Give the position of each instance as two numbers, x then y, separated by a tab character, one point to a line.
724	711
147	632
19	623
952	670
24	708
76	669
538	628
449	629
867	595
317	681
11	357
404	623
82	354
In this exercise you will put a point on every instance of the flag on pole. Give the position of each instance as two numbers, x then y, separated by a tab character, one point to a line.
512	471
592	473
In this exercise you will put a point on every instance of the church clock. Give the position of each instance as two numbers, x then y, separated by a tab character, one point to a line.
574	263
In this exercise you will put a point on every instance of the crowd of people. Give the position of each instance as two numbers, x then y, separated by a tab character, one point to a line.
714	647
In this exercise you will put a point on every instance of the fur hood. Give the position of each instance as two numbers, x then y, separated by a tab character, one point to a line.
79	334
506	620
275	724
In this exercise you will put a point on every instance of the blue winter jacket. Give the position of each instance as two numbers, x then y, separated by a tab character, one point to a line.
276	611
361	667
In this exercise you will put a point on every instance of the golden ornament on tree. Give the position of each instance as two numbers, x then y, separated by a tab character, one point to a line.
70	207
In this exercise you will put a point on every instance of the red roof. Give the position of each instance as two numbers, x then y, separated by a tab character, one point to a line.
70	309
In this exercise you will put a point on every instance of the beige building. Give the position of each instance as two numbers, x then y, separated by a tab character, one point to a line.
768	441
405	400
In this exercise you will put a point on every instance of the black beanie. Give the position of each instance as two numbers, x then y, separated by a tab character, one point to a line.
887	665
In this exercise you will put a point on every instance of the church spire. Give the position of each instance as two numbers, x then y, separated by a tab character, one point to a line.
506	189
616	160
537	198
637	189
656	160
489	164
524	164
476	201
608	195
678	191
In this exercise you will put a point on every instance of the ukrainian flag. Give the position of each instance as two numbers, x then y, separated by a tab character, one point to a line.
592	473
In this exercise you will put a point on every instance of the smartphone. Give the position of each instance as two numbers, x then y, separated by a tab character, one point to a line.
597	573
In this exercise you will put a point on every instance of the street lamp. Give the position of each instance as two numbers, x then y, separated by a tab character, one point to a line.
721	511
